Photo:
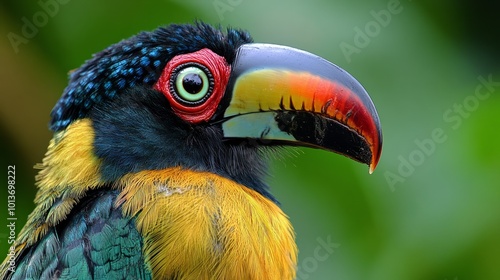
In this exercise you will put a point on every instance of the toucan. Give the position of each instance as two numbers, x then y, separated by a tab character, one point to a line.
158	162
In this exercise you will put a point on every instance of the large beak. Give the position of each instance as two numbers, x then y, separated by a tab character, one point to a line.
280	95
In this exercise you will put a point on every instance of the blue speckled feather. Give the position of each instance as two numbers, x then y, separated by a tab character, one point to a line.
137	61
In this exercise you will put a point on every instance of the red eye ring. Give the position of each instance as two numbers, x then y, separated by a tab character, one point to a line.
216	66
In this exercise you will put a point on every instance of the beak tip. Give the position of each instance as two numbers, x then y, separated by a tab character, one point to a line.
375	160
372	168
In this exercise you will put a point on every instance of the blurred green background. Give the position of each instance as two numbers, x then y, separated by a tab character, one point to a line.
431	210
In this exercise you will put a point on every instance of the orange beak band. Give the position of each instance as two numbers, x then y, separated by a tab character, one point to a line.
284	96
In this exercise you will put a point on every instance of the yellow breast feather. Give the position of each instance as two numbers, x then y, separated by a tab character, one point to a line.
198	225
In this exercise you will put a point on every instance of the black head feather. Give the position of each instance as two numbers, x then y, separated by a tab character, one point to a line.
137	61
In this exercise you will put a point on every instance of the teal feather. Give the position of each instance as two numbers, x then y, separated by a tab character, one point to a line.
95	242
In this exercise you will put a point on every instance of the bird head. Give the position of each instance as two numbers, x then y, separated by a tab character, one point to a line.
195	97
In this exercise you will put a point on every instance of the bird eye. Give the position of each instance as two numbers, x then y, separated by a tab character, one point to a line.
192	84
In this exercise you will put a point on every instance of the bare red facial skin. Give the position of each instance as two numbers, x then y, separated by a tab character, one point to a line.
220	70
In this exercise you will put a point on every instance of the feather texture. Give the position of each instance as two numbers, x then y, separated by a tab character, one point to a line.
95	242
170	223
199	225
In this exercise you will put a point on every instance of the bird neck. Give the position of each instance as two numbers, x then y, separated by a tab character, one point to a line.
203	225
129	136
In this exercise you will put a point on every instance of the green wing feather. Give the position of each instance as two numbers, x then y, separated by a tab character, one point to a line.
95	242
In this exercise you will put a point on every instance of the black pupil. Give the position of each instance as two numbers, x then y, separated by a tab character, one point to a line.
192	83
